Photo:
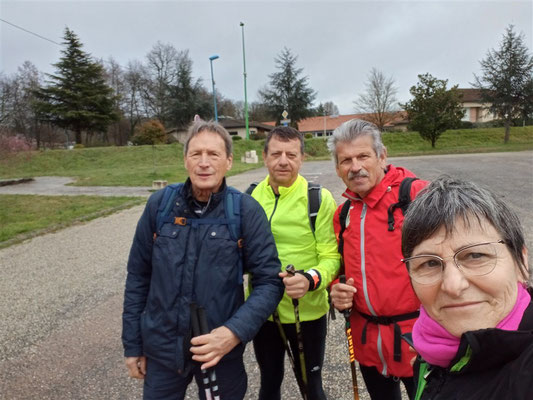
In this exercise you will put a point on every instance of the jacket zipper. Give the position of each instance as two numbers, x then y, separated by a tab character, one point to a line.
274	210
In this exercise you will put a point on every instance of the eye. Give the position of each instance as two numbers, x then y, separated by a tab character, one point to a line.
425	264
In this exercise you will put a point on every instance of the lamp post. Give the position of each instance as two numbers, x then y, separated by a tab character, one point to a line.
245	94
214	57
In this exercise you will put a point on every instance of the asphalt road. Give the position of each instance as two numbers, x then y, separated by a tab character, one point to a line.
62	292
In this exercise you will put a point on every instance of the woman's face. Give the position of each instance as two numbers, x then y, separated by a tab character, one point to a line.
462	302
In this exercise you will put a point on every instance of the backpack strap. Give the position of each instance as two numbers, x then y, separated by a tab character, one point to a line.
404	199
232	208
314	199
167	204
342	220
251	188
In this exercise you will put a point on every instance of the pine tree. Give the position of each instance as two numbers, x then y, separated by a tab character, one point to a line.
507	78
288	91
76	97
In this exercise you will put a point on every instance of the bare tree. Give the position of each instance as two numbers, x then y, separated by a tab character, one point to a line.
379	99
162	61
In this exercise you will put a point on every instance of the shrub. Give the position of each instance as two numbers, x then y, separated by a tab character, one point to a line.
14	144
257	136
466	125
236	137
150	132
308	135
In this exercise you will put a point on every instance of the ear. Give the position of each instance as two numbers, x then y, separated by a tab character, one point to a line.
264	158
383	158
230	162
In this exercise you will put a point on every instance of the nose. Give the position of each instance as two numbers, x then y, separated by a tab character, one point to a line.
355	166
204	160
454	282
283	160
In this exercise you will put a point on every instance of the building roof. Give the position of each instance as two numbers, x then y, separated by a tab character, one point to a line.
331	122
470	95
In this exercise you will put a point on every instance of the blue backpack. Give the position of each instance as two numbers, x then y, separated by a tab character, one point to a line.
232	208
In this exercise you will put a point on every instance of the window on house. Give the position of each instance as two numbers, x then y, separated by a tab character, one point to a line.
233	133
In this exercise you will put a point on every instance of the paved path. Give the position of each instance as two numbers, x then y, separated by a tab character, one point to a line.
62	293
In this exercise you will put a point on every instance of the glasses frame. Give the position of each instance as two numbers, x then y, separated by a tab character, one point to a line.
464	271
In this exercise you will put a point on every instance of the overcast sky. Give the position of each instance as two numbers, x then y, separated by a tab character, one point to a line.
337	43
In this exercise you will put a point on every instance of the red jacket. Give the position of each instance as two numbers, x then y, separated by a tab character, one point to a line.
372	257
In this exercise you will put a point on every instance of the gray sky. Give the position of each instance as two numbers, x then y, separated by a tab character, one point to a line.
337	43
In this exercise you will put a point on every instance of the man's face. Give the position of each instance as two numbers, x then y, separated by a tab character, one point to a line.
283	161
359	166
207	162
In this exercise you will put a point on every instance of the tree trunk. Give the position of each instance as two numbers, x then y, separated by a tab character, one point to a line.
507	125
78	135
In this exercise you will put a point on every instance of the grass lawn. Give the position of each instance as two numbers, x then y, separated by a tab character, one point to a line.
134	165
24	216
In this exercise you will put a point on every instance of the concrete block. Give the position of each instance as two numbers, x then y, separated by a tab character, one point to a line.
159	184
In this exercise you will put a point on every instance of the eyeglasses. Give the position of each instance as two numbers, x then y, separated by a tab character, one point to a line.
474	260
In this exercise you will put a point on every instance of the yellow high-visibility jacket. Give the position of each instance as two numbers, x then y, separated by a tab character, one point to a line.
296	244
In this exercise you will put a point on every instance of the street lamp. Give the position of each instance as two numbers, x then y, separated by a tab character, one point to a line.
245	95
214	57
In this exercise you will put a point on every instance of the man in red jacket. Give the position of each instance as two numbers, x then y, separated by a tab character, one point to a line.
377	287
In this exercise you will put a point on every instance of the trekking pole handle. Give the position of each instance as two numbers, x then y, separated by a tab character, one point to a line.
290	270
348	311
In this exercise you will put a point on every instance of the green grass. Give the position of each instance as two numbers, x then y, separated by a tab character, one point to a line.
25	216
133	166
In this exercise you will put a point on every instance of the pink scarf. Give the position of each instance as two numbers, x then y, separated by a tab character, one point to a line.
438	347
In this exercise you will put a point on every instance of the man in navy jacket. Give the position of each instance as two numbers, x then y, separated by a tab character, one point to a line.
192	258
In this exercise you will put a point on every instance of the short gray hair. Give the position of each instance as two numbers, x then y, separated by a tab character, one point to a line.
353	129
447	199
198	127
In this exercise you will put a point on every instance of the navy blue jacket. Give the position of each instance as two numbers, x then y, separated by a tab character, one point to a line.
199	264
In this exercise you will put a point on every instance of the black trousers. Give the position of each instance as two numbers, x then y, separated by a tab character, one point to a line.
270	355
385	388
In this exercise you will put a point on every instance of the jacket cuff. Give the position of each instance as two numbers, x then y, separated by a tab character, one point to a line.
314	278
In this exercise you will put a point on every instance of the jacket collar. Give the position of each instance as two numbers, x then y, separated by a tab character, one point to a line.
489	348
285	191
214	200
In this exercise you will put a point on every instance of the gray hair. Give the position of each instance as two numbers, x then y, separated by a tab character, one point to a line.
353	129
447	199
200	126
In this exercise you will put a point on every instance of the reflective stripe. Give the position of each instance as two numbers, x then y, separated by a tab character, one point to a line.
380	353
365	289
363	265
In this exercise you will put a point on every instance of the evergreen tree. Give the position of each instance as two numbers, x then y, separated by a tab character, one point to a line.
186	97
434	109
77	96
506	80
288	90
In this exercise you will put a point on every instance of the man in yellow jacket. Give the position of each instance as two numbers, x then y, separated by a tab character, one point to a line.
284	195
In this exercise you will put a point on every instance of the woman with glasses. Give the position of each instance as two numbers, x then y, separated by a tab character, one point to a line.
465	253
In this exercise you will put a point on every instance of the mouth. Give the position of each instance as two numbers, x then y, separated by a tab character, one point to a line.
461	306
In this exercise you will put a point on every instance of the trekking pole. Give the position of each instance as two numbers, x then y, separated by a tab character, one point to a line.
197	331
204	329
291	271
348	328
288	349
